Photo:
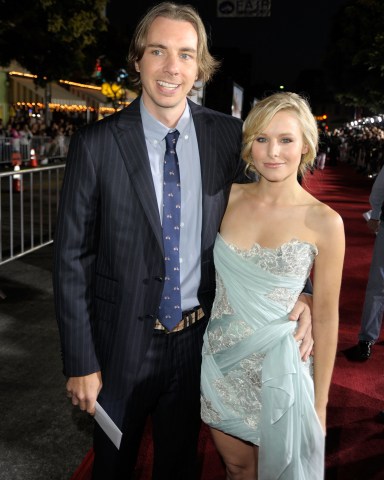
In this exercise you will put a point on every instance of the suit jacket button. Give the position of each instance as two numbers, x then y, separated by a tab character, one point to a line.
150	317
159	279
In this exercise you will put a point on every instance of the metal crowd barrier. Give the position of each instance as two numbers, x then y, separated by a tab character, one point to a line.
29	199
12	152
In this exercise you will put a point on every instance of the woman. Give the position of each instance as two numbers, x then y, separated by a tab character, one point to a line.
267	415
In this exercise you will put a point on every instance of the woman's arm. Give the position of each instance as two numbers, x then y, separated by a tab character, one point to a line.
325	312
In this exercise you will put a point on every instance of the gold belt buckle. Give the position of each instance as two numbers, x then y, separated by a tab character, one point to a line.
188	319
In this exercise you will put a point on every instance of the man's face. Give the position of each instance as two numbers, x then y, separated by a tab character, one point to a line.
168	68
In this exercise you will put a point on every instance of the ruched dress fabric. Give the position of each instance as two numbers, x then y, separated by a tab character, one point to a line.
254	384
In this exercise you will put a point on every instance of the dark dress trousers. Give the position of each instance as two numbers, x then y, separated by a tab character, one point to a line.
109	268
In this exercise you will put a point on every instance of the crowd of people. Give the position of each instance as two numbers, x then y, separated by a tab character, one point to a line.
25	131
361	145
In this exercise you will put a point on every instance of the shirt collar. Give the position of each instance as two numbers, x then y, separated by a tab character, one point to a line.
156	131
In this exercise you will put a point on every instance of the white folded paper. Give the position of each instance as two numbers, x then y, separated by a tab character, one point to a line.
367	215
108	425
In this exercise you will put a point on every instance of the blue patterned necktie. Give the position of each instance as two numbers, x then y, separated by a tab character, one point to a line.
170	307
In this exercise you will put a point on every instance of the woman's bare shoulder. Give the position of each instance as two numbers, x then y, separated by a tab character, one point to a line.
324	213
326	221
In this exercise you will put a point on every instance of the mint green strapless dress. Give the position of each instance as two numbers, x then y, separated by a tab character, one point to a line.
254	384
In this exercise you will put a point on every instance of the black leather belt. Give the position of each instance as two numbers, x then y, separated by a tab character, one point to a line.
189	318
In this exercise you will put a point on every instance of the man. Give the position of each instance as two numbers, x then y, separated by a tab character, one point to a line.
111	264
373	309
323	149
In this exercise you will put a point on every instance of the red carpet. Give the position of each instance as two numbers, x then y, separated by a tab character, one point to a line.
355	441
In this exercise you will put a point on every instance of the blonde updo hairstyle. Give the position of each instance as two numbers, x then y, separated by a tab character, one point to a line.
261	115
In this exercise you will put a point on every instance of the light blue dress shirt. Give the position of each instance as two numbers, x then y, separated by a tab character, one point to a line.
191	194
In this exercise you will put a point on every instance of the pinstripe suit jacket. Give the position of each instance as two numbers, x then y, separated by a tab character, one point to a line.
108	253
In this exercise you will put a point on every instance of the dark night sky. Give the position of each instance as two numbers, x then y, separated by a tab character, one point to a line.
292	39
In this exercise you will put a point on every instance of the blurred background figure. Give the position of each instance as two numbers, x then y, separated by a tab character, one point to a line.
323	149
374	295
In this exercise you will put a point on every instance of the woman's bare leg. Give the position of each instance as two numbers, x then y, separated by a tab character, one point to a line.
240	457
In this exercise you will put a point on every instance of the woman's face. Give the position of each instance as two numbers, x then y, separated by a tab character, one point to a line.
277	151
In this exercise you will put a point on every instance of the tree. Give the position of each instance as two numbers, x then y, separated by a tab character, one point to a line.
356	55
52	38
114	92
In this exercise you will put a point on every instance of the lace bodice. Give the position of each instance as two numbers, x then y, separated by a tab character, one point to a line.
291	259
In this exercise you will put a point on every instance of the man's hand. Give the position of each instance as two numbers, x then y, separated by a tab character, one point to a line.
83	391
301	313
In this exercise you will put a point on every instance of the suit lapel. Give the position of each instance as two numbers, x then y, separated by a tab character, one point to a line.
206	136
129	134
